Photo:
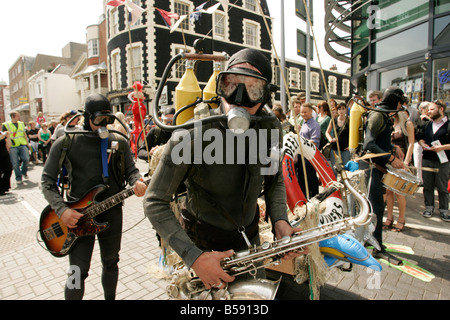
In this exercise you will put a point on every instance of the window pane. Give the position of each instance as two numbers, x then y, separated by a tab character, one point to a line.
182	9
396	15
250	34
411	79
361	29
442	31
441	79
409	41
441	6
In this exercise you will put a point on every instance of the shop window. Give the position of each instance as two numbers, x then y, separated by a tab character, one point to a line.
441	79
411	79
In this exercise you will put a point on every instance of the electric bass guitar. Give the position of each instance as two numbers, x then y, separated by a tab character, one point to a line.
60	239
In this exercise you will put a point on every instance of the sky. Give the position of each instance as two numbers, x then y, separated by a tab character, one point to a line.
292	23
30	27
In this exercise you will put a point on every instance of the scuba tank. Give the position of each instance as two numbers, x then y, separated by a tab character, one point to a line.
186	93
210	89
355	127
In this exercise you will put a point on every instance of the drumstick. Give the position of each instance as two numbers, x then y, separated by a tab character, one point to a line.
424	168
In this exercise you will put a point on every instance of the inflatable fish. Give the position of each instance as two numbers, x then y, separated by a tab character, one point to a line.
346	248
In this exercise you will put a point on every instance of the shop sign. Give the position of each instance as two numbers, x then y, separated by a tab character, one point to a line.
444	79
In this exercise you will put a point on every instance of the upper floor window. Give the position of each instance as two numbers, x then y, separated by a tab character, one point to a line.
114	21
294	78
250	5
138	3
220	25
345	87
135	63
332	85
115	66
180	66
315	85
93	48
303	80
251	33
182	8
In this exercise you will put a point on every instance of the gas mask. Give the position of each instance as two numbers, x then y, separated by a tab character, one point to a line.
243	88
102	120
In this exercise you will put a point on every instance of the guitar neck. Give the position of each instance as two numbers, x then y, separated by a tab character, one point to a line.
112	201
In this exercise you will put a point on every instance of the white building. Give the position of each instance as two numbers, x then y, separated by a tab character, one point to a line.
53	92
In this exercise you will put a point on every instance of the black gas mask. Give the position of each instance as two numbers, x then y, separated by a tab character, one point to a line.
242	87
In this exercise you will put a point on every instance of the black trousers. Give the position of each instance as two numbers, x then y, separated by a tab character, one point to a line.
5	171
109	241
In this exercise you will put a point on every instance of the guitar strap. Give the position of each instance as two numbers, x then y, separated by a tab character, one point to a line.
104	147
62	169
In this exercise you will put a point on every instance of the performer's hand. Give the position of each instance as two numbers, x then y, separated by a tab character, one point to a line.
398	164
283	228
139	188
70	217
208	269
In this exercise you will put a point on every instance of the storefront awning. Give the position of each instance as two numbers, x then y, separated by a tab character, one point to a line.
23	107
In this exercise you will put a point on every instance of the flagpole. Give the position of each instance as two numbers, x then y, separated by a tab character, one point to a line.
308	56
283	59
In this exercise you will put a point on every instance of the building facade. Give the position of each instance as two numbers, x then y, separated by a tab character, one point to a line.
90	71
19	73
52	93
5	104
141	52
337	84
403	43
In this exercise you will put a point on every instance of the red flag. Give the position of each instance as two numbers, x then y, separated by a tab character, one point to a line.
167	15
115	3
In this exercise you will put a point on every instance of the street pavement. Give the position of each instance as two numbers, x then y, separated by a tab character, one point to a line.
28	272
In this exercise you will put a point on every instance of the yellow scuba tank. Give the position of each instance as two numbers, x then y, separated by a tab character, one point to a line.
209	91
187	92
356	113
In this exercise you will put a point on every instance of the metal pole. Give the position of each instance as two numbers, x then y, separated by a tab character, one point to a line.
308	57
283	61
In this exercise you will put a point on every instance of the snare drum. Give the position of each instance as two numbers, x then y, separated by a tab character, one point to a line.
400	181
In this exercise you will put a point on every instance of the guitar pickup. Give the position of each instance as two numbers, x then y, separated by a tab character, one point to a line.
54	231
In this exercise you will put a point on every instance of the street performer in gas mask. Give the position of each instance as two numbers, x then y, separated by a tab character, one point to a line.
83	152
222	214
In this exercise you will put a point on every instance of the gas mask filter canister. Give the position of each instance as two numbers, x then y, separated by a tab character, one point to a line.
238	120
